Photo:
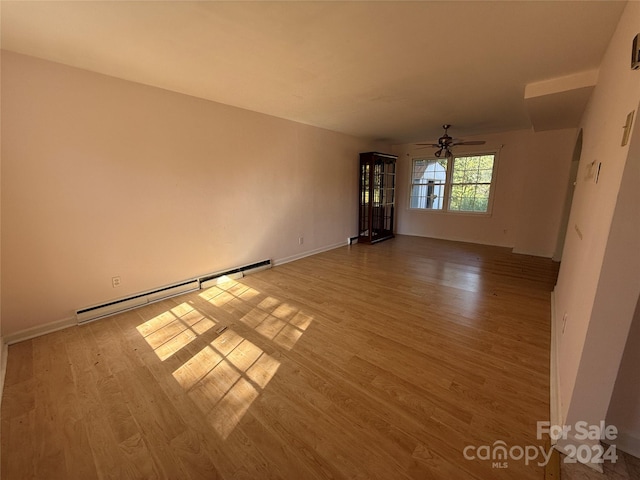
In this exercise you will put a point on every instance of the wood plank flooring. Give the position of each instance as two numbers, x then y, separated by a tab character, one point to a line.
365	362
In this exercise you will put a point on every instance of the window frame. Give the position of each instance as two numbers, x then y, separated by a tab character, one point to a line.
448	184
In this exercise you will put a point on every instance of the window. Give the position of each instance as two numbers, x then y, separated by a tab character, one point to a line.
457	184
427	184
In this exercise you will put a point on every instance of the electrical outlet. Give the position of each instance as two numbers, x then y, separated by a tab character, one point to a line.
300	240
115	281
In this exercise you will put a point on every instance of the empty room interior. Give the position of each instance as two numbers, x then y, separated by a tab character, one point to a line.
320	240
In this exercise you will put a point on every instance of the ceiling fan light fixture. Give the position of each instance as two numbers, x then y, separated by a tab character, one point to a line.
446	141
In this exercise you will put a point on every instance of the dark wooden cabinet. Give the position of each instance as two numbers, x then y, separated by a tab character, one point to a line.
376	197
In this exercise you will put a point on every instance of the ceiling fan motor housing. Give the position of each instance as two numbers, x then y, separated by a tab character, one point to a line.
445	142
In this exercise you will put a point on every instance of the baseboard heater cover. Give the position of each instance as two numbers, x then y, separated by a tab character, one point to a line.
211	282
123	304
244	270
102	310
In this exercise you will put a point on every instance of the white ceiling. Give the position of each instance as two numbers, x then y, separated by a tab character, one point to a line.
386	70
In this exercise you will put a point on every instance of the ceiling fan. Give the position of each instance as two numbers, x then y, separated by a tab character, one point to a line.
445	142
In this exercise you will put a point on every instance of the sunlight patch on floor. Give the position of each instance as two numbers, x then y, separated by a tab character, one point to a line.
226	292
172	330
229	373
238	371
284	325
272	318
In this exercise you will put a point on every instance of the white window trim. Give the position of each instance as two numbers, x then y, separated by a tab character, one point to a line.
448	183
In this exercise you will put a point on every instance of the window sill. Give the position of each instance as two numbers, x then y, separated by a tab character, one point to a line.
448	212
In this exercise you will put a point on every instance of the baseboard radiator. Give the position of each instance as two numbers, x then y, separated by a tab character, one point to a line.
95	312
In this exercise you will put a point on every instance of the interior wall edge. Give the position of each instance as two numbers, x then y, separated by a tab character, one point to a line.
4	350
555	402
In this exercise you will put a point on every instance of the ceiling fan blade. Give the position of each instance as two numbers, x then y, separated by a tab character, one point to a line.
471	142
446	141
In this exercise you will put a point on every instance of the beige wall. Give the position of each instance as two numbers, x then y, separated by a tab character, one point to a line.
531	181
104	177
598	284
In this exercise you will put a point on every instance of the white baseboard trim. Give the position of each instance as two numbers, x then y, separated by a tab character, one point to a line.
29	333
51	327
533	253
457	239
555	404
4	351
308	253
628	443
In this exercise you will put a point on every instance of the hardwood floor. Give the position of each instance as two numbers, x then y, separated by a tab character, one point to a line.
367	362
